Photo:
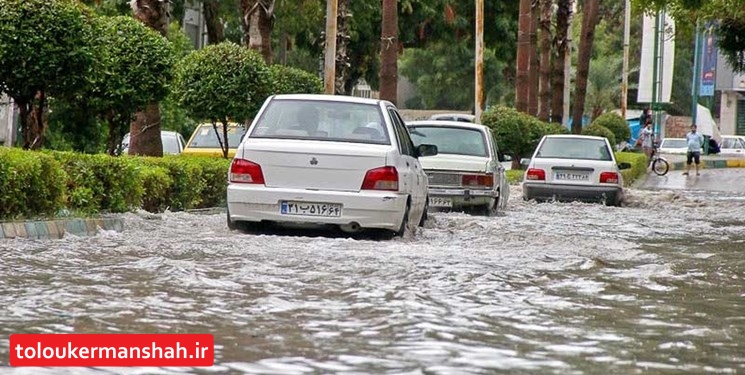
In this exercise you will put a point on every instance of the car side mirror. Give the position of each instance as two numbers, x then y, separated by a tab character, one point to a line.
426	150
624	165
524	162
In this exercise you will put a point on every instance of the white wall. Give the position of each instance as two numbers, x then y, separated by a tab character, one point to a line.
728	112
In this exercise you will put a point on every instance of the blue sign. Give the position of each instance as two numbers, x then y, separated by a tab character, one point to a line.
708	61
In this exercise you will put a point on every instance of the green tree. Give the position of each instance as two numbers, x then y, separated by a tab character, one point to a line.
616	124
133	68
289	80
599	131
222	82
45	49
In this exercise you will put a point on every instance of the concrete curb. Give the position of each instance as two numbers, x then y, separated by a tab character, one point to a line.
711	164
56	229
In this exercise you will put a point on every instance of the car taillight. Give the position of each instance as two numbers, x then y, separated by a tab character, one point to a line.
480	180
609	177
535	174
383	178
246	172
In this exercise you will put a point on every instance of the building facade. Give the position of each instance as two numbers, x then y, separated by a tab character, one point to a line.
732	107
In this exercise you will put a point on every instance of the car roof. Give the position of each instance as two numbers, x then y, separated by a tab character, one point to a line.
447	124
329	98
463	115
578	136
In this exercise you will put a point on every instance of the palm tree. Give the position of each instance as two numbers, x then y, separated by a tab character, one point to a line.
389	51
522	75
603	90
544	83
258	21
145	129
561	45
590	19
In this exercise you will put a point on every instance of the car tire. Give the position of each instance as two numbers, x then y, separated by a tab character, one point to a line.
488	210
242	226
425	216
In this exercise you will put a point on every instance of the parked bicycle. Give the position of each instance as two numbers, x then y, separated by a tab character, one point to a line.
658	164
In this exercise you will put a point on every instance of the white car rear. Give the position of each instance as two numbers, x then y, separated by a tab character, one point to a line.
318	159
574	167
466	173
674	146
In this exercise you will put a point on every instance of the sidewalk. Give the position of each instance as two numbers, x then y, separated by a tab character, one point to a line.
678	161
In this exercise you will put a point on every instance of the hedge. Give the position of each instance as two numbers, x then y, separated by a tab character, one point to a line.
637	160
41	184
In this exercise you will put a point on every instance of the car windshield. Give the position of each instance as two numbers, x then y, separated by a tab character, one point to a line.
205	137
450	140
731	143
322	121
674	143
574	148
170	144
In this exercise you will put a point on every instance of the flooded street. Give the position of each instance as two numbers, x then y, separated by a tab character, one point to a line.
655	287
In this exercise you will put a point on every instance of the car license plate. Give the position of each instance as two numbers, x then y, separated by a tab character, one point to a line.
440	202
572	176
310	209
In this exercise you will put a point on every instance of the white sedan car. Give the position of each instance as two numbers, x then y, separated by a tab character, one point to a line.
574	167
328	159
732	145
467	172
675	146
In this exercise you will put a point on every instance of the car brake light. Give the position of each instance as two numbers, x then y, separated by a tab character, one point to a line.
609	177
535	174
481	180
246	172
383	178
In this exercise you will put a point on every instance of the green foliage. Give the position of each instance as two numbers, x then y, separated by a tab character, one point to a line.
133	68
34	184
31	184
44	46
221	82
616	124
515	176
289	80
517	133
638	168
599	131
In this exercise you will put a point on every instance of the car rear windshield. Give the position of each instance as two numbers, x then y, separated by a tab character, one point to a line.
450	140
574	148
170	144
322	121
205	137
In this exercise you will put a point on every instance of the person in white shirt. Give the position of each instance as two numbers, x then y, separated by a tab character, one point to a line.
647	137
695	142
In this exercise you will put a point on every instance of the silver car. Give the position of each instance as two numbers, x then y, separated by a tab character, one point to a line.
173	143
574	167
467	172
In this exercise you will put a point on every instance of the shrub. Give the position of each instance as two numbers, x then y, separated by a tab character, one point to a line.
616	124
42	183
289	80
638	165
600	131
30	184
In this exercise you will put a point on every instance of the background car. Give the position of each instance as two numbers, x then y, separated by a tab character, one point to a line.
328	160
460	117
204	141
674	146
173	143
574	167
732	145
467	172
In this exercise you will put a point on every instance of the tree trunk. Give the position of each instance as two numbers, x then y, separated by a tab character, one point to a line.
389	52
215	29
33	121
342	42
589	21
544	85
522	78
145	129
534	62
561	44
258	21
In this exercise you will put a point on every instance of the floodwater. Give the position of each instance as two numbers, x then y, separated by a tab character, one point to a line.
655	287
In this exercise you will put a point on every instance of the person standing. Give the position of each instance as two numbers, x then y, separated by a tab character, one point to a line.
695	142
647	140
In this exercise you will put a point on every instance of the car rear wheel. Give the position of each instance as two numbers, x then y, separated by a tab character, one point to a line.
491	209
242	226
424	214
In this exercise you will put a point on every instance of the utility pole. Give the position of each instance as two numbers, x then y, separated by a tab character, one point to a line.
329	68
696	74
479	63
625	77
